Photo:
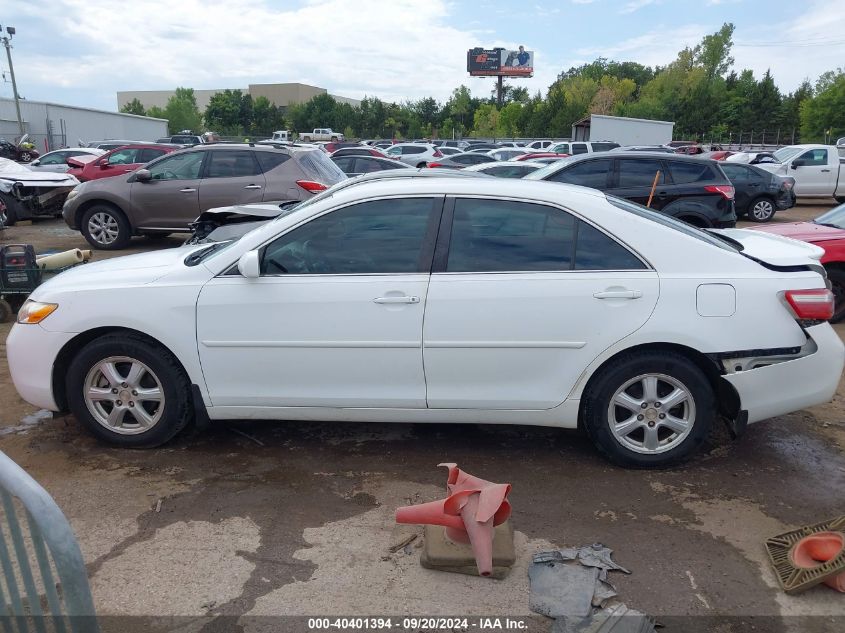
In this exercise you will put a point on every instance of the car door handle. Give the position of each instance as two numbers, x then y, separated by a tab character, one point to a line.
188	190
253	187
618	294
401	299
825	171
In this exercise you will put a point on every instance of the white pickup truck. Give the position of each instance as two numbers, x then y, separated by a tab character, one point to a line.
817	170
320	134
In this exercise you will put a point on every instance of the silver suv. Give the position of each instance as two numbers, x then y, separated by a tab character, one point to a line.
167	194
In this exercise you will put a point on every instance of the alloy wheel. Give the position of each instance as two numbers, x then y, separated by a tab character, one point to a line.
762	210
103	227
651	414
124	395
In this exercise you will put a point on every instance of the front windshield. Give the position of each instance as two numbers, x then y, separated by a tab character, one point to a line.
834	217
785	153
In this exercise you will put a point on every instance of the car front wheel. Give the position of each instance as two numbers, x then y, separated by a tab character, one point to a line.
649	409
761	210
129	391
106	227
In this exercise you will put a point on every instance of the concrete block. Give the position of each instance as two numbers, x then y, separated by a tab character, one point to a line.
445	555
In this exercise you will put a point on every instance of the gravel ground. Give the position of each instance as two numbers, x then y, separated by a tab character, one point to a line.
297	518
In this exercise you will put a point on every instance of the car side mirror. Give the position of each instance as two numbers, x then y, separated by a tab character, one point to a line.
249	265
35	163
103	162
143	175
797	163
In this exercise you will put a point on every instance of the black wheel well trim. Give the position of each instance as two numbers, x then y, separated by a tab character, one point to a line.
77	216
727	398
74	345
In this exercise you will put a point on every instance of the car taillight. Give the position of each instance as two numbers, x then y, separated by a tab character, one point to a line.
311	186
726	190
435	165
787	184
815	304
437	154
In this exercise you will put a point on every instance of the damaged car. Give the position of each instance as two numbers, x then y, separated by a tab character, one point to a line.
28	194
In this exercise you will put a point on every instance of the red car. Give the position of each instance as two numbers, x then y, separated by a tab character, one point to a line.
828	232
536	155
118	161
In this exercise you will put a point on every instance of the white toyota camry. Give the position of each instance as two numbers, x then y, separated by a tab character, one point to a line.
443	300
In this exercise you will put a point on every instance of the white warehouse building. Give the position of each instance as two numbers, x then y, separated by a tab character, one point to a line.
622	130
52	125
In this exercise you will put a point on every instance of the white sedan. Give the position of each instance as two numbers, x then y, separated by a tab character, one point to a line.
56	161
481	300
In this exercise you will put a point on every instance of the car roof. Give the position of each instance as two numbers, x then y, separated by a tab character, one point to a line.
636	154
501	163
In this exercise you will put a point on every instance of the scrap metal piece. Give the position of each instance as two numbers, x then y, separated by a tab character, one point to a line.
558	589
617	619
792	578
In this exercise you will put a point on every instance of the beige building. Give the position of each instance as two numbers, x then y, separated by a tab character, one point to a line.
279	94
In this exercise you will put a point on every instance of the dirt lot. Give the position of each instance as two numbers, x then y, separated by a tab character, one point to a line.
297	518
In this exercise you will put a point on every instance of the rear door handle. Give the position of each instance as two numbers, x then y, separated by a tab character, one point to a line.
253	187
618	294
825	171
188	190
402	299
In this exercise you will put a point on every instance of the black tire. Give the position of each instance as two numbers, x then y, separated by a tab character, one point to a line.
25	156
840	199
837	283
6	312
421	165
764	213
334	139
12	209
108	215
162	365
613	377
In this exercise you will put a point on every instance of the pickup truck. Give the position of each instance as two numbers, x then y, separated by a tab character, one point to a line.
817	170
321	134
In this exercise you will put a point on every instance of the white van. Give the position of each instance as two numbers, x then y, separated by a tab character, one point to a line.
282	135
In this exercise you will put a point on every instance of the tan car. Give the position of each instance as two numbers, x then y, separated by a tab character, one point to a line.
167	194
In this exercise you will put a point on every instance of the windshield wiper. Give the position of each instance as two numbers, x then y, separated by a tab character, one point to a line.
197	256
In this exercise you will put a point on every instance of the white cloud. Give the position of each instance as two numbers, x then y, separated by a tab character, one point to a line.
636	5
652	48
395	50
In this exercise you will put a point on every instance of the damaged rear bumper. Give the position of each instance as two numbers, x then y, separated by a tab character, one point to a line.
791	383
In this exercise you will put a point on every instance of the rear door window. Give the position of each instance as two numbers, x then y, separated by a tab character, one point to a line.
123	157
639	172
604	147
733	172
146	155
412	150
579	148
232	164
690	171
588	173
270	160
345	163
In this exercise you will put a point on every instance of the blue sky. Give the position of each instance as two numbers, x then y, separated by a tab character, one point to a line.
82	52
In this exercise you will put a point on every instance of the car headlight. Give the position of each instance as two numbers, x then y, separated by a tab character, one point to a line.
72	193
33	312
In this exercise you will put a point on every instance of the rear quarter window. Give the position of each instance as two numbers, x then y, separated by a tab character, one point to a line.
270	160
691	171
320	167
604	147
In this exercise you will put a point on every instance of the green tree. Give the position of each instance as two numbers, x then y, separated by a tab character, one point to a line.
486	120
134	107
825	111
266	117
714	52
223	113
156	112
508	124
182	113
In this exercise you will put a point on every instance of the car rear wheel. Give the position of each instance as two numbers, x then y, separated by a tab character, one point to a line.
129	391
11	212
761	209
25	157
649	409
837	285
105	227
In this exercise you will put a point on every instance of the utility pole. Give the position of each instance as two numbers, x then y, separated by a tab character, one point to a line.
6	39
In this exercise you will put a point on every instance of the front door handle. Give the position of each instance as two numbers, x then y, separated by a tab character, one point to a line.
253	187
401	299
187	190
825	171
618	294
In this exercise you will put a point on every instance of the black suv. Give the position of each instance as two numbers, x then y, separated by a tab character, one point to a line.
691	189
759	193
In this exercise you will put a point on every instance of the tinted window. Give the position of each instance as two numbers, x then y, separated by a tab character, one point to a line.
146	155
814	157
231	165
734	172
510	171
579	148
320	167
604	147
639	172
382	236
178	167
589	173
58	158
270	160
689	171
413	150
596	251
366	165
563	148
345	163
499	235
123	157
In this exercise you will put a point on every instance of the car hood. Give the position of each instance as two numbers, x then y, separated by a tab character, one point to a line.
773	249
11	172
129	270
804	231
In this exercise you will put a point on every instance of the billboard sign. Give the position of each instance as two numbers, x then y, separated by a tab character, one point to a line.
494	62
